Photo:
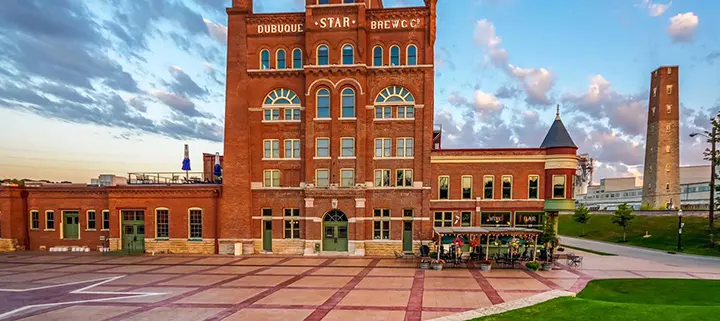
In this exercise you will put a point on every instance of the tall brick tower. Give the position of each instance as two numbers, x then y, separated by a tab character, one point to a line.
661	183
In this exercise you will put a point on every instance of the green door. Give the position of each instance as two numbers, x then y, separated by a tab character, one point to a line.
71	225
133	231
267	236
407	236
335	231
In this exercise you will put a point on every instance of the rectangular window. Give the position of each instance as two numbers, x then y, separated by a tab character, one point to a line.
196	224
531	220
443	219
444	187
507	187
383	147
272	148
34	220
91	220
383	112
406	112
381	224
292	223
488	184
348	147
466	219
292	148
669	89
322	178
49	220
267	212
347	177
106	220
533	186
322	147
558	186
292	114
163	227
495	219
408	212
271	178
467	182
405	147
382	177
667	148
404	178
271	114
654	91
668	109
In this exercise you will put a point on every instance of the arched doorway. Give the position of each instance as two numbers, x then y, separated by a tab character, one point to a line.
335	231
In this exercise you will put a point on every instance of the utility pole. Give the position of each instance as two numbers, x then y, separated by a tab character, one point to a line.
711	218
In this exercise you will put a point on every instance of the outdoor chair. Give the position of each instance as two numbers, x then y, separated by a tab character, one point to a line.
576	261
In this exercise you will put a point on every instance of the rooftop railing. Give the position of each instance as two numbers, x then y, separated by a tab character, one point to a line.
170	178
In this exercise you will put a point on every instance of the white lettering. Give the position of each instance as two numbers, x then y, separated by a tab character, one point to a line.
280	28
414	23
404	23
373	25
346	22
323	23
395	24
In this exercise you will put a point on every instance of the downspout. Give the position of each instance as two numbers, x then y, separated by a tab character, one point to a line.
216	193
24	195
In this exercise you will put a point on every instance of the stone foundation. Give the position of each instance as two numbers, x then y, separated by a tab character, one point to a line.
114	244
281	246
382	248
9	245
182	246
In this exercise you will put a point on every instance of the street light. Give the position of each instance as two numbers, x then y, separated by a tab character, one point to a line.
711	216
680	227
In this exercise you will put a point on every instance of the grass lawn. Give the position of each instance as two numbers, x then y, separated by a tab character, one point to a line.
663	231
625	300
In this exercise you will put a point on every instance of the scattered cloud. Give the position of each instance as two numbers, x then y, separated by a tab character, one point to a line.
682	27
711	57
217	31
655	9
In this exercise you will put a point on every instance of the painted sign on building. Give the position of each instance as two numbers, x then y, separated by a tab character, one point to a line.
395	24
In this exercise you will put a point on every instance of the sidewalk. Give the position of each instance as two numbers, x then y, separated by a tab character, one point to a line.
643	253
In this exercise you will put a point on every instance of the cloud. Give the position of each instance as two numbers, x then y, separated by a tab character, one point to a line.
184	85
217	31
481	104
536	82
178	103
468	132
655	9
682	27
711	57
507	92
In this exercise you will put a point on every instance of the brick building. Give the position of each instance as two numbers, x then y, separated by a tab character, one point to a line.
330	146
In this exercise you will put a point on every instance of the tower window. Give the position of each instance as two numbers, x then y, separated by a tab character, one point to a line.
377	56
323	2
323	103
669	89
654	91
668	128
394	56
323	58
297	58
348	55
669	71
280	62
668	109
411	55
348	103
264	59
667	148
667	187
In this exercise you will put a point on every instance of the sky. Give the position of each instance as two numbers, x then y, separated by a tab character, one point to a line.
111	87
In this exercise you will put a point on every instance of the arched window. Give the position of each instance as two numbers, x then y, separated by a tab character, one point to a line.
264	59
323	55
323	2
394	56
394	95
395	100
411	55
280	59
297	58
348	103
348	55
377	56
282	96
323	103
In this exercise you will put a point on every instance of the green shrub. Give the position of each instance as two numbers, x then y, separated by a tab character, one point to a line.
532	266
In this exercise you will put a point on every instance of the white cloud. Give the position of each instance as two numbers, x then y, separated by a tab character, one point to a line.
655	9
682	27
485	35
217	31
485	102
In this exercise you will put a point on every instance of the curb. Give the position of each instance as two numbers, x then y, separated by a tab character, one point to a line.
507	306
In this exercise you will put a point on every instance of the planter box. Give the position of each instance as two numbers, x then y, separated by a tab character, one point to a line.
485	267
546	266
425	266
437	266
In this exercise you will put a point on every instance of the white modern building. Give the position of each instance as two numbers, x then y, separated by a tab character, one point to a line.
611	192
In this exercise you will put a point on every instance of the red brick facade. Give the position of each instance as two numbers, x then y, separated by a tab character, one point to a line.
334	99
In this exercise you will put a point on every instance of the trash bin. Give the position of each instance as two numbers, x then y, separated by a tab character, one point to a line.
238	249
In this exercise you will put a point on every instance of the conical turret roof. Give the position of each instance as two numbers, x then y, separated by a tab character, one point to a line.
558	135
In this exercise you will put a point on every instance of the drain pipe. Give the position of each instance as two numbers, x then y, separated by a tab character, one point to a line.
24	195
217	221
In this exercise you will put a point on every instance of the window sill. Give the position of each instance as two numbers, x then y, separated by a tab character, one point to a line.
281	159
348	118
49	230
390	119
91	230
272	121
162	239
347	157
272	159
195	239
322	119
34	229
105	230
391	158
322	158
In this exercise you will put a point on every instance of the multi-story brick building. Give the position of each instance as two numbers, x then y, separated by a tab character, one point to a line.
330	146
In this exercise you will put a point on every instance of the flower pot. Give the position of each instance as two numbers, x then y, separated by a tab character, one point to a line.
547	266
437	266
424	265
485	267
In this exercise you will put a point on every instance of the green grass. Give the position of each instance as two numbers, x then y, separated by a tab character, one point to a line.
663	231
629	300
589	251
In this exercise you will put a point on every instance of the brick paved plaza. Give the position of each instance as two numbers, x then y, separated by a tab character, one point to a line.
182	288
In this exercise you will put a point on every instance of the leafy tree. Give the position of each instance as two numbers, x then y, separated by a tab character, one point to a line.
549	237
582	216
623	217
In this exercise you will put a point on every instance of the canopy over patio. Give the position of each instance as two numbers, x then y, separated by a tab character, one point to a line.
490	231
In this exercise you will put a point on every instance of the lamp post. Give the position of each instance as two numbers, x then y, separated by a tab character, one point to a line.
680	227
711	211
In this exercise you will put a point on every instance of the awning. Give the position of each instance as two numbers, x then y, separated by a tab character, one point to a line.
477	230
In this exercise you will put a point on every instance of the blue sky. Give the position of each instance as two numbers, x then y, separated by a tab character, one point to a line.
90	87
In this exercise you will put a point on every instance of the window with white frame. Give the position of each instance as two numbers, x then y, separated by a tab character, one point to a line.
488	184
162	223
406	112
533	187
292	148
411	55
668	109
196	224
323	55
348	103
383	147
323	103
347	177
405	147
394	56
280	61
34	220
444	187
264	59
404	178
669	89
394	97
297	58
271	148
507	183
322	147
382	177
558	186
271	114
292	113
292	223
467	187
383	112
322	177
377	56
91	220
348	147
381	224
105	220
49	220
442	219
271	178
348	55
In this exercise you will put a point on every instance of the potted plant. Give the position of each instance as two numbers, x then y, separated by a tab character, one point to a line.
532	266
425	263
550	239
437	264
485	265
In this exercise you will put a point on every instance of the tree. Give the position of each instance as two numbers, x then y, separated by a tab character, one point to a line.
549	238
582	216
623	217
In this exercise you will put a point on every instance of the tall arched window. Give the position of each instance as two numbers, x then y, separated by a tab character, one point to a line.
280	62
411	55
348	103
348	55
377	56
394	56
323	55
323	103
297	58
264	59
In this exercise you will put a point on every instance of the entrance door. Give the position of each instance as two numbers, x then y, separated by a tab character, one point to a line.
407	236
267	236
133	231
335	231
71	225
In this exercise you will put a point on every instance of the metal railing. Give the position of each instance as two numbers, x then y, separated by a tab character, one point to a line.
167	178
